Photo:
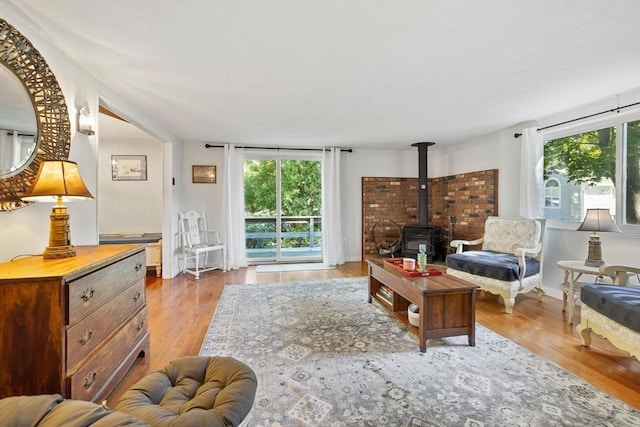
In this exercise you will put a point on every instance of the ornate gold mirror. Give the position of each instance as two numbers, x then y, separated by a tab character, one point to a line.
27	81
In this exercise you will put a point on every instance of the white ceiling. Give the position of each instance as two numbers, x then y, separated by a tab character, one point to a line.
379	74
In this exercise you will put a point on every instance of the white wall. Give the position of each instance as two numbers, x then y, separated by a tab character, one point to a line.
203	197
368	163
130	206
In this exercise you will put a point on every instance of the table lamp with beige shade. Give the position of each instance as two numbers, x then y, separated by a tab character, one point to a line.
597	220
58	181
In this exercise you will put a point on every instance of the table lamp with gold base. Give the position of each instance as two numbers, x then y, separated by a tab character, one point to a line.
58	181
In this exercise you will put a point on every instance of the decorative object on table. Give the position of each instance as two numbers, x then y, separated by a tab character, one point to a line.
397	265
597	220
128	168
58	181
408	264
324	357
386	247
203	174
422	257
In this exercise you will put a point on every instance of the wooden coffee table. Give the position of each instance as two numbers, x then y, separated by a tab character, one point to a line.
447	304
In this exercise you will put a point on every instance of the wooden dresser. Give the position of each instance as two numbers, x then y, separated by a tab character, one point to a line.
73	326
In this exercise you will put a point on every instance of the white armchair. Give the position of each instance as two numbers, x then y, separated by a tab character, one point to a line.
509	262
196	242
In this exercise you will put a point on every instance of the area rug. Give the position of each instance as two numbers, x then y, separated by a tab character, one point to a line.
270	268
324	356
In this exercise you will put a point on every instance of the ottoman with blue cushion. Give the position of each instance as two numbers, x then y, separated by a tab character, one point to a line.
613	312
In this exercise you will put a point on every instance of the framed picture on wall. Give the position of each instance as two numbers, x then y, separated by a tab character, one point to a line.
128	168
203	174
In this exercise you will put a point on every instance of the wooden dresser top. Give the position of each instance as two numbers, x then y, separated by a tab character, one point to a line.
88	258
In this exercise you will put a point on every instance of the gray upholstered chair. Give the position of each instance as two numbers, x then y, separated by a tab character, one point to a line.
193	391
509	261
52	410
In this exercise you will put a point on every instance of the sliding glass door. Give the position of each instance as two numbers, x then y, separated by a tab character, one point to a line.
283	205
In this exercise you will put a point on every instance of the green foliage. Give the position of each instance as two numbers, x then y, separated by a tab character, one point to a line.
301	188
585	158
260	188
301	195
633	172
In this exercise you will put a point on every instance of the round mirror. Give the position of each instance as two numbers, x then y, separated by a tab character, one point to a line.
52	130
18	127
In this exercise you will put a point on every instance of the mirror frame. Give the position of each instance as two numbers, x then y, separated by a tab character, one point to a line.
53	136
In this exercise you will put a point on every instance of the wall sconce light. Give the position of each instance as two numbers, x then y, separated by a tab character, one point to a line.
58	181
85	121
597	220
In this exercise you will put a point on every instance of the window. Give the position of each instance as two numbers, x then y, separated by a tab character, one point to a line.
631	208
596	168
283	207
552	194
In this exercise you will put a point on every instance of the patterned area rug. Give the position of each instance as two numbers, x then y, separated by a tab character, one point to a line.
326	357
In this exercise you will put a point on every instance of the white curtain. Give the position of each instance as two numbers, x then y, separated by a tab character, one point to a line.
233	196
531	173
332	245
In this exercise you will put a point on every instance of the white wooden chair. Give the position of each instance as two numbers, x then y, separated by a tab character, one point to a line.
196	242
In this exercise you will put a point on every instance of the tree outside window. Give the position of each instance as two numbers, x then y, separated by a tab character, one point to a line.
588	162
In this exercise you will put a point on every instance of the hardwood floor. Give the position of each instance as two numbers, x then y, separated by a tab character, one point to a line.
180	311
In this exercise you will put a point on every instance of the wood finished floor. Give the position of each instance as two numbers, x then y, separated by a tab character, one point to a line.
180	310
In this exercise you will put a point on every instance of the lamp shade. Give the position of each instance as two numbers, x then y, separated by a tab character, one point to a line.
57	179
598	220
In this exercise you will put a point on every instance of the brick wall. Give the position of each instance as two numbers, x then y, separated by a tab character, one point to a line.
391	203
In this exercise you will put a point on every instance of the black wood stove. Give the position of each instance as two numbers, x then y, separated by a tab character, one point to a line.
422	233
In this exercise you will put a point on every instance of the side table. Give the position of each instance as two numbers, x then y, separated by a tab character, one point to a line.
573	271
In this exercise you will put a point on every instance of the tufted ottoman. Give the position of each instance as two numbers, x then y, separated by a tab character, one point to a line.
193	391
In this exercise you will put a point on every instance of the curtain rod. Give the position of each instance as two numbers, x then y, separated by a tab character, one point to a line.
617	110
348	150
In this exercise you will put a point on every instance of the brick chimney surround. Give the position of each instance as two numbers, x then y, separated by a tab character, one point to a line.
469	197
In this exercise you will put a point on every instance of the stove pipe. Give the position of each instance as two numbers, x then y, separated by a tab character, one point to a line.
423	194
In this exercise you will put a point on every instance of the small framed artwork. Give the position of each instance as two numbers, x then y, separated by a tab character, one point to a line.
203	174
128	168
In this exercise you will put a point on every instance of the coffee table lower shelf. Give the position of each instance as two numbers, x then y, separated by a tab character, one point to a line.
446	304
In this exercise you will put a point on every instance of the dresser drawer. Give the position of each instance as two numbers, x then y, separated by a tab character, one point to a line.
87	334
91	379
96	289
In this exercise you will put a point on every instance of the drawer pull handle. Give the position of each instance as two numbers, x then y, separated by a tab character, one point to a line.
86	336
136	296
91	378
88	294
138	266
140	325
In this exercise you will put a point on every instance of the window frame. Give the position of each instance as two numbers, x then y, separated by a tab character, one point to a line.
609	120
